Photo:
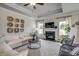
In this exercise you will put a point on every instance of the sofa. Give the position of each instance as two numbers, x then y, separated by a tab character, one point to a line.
14	45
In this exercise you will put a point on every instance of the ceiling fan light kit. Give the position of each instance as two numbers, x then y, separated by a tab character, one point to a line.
33	4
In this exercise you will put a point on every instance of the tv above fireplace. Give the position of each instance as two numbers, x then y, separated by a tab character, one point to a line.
49	25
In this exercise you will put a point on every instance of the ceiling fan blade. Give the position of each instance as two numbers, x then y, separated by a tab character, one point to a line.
27	4
34	7
40	3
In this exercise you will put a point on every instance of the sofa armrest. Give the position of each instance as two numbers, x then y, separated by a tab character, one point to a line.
5	49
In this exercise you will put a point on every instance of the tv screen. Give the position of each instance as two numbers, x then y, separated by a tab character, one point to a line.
49	25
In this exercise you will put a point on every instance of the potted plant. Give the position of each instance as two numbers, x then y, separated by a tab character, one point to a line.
67	29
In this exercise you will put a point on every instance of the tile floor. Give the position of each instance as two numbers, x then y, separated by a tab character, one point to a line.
48	48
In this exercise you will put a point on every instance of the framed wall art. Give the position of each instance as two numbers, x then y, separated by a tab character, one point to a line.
16	30
16	20
16	25
22	21
21	30
22	25
10	30
10	18
10	24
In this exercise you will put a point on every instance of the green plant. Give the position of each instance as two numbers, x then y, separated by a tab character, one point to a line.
65	39
67	28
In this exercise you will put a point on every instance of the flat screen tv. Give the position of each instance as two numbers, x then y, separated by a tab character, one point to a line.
49	25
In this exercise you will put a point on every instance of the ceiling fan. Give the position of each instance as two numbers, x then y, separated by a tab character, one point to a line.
33	4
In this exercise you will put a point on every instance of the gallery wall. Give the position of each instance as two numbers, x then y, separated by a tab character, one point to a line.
29	23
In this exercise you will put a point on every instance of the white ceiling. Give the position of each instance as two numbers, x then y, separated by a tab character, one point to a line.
40	11
44	10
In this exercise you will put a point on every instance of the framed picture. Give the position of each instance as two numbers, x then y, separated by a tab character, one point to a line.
16	25
16	30
22	25
22	21
16	20
9	30
9	18
21	30
10	24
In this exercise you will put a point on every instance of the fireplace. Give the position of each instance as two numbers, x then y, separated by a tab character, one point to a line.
50	35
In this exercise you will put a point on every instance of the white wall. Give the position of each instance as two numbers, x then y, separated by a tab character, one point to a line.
29	22
75	30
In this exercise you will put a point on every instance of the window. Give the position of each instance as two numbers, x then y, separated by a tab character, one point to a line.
61	26
40	27
64	26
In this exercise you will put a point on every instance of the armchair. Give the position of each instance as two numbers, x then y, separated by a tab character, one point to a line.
69	49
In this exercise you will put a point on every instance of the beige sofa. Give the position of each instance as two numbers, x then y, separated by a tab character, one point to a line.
10	42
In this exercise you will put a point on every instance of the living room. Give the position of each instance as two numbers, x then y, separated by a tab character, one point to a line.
34	29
